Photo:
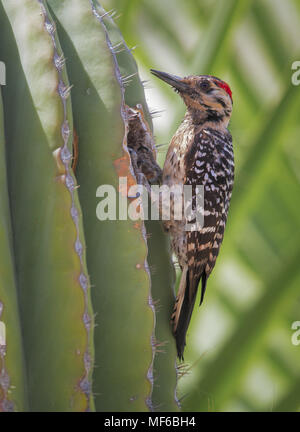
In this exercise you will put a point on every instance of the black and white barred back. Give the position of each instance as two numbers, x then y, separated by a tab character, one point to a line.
209	162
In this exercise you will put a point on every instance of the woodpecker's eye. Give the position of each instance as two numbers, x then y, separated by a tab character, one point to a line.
204	85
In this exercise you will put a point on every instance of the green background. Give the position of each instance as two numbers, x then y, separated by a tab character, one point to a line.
239	353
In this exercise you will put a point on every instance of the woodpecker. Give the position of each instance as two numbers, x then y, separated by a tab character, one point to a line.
200	153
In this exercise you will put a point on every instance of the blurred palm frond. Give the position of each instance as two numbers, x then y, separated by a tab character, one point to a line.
253	296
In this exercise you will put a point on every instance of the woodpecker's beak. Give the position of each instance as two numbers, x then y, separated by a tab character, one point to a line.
173	80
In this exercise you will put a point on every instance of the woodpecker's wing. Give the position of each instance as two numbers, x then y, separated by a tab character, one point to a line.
209	163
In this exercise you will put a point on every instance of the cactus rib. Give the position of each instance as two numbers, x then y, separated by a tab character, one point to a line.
12	376
52	296
66	157
164	394
124	318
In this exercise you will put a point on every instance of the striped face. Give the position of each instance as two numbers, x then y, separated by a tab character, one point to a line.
208	97
208	94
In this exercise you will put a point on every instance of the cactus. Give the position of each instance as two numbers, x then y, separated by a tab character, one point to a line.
75	292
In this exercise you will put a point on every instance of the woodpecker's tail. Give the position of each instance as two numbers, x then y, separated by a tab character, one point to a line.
184	306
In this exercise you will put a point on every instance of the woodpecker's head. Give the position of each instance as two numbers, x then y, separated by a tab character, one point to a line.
207	97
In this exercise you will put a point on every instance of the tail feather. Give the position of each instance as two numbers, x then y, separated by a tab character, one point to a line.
203	287
184	306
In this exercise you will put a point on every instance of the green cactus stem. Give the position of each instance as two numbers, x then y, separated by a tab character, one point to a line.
52	280
12	374
119	272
